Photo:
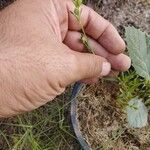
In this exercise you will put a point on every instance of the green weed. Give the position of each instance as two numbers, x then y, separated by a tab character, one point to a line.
131	85
77	14
47	128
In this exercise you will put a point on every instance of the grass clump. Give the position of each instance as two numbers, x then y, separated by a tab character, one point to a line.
47	128
131	86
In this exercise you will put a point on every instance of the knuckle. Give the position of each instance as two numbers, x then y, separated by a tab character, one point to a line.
94	65
73	63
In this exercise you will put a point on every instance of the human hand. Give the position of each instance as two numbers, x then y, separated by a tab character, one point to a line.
41	53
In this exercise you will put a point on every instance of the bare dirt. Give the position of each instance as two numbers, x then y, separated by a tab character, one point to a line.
124	13
102	123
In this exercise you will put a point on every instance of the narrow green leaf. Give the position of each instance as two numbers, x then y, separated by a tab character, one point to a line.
77	3
138	44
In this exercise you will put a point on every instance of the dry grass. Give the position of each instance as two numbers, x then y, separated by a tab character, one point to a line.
104	125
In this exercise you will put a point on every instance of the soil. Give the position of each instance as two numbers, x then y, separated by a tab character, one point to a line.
124	13
102	123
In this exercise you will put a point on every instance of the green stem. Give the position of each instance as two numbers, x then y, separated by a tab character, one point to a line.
84	37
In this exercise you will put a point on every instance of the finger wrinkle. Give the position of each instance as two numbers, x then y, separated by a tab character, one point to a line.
104	31
87	22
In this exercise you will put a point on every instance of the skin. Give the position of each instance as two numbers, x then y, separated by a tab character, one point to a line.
41	53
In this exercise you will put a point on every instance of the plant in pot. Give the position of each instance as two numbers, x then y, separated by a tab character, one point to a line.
126	98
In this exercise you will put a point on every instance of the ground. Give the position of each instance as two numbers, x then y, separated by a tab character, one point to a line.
49	127
102	122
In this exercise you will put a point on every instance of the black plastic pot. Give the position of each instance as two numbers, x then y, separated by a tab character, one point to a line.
74	101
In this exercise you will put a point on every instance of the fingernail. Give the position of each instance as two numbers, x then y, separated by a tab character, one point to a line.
106	67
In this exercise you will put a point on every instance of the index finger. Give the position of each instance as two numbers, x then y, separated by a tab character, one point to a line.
97	27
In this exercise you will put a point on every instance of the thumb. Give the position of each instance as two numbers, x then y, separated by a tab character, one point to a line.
90	66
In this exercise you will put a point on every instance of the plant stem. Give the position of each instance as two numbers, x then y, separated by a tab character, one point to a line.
84	38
